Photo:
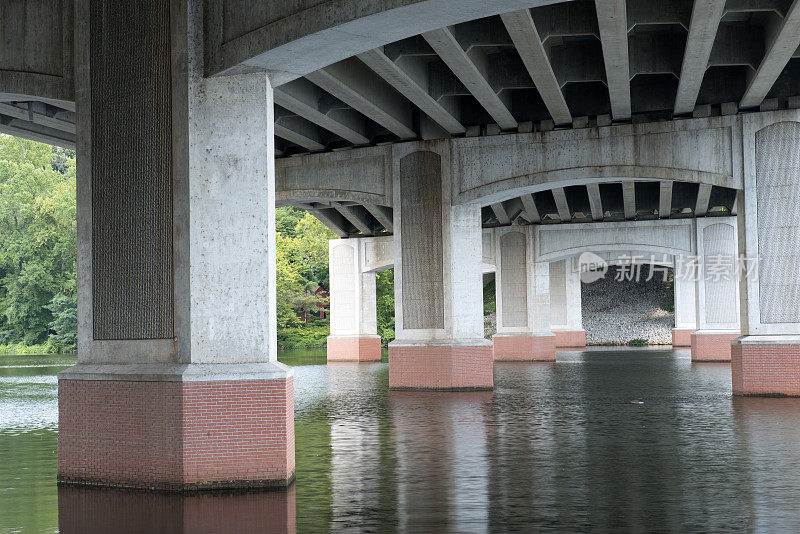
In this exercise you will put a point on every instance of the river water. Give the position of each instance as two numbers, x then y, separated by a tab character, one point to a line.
554	447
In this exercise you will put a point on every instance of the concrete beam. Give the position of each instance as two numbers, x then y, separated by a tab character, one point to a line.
780	50
416	92
303	98
523	32
34	114
703	196
332	219
296	131
356	85
702	31
665	199
356	218
561	204
612	23
629	199
531	213
595	201
36	132
383	215
500	213
472	70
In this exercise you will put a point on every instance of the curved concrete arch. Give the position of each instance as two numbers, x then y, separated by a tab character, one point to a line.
495	168
673	237
363	176
290	39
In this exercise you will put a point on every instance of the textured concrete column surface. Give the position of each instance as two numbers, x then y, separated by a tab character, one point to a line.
565	304
438	299
519	298
717	290
766	359
354	320
177	384
685	291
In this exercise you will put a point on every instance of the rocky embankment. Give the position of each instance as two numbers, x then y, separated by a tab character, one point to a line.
620	311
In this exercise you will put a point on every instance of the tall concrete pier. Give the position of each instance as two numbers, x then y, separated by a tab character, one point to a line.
447	139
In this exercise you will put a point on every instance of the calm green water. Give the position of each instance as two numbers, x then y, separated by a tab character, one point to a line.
553	447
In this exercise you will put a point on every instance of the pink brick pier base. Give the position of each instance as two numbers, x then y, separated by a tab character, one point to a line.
454	367
682	337
510	348
173	435
570	338
354	349
766	365
711	346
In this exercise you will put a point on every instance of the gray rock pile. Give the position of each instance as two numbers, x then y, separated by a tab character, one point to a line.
620	311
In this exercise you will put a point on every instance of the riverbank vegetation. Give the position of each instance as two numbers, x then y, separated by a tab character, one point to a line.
302	269
38	309
38	306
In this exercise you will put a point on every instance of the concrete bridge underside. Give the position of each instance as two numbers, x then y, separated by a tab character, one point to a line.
427	119
535	319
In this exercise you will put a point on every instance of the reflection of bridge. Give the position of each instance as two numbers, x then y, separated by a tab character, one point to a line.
426	119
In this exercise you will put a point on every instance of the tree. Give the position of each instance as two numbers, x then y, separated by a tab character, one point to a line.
301	263
384	290
64	324
37	236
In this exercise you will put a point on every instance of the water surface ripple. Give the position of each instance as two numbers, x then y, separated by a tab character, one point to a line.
603	440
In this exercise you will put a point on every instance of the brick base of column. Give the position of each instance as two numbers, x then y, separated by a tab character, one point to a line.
570	338
711	346
682	337
441	366
766	366
354	349
530	348
176	435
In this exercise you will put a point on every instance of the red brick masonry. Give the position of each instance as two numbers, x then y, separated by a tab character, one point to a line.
682	337
524	348
176	435
767	369
570	338
712	347
354	349
441	367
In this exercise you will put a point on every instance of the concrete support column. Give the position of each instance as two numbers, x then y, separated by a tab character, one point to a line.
438	301
565	304
519	298
766	359
544	340
177	384
717	289
354	321
685	291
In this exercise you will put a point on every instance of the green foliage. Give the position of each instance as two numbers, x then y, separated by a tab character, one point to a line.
668	306
64	324
301	265
307	336
638	342
20	349
489	296
384	288
37	237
